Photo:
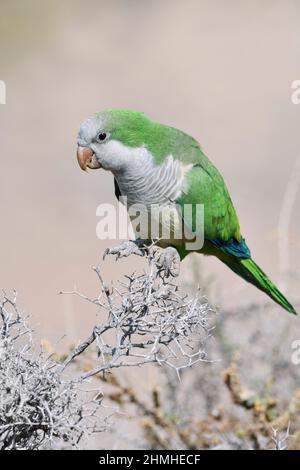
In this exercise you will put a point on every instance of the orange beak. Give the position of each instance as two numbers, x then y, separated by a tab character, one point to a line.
84	156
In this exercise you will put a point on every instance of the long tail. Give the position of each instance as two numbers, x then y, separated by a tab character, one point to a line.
251	272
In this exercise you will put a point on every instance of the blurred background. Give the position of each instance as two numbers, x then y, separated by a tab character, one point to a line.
222	72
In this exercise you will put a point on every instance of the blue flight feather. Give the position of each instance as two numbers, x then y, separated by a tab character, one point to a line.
233	247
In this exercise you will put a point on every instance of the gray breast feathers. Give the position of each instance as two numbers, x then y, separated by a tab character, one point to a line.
149	184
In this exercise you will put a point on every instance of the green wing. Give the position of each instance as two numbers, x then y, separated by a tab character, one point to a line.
206	186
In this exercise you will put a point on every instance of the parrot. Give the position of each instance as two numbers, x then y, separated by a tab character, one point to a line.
157	165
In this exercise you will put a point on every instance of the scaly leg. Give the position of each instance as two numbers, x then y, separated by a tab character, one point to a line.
169	262
127	248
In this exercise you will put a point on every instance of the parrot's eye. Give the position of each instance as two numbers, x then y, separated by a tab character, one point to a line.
102	136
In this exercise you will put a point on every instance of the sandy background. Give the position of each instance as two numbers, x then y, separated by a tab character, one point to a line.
221	71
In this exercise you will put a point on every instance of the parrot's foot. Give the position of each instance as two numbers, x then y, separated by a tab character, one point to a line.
127	248
169	262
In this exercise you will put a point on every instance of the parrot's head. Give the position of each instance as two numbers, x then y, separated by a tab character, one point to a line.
106	139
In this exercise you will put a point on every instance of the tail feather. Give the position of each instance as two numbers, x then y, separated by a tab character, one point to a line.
251	272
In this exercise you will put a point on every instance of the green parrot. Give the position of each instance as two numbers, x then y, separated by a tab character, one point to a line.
159	166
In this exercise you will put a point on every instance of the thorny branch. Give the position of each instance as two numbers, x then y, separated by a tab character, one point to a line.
38	407
145	319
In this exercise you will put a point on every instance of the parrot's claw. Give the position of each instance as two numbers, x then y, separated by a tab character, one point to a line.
127	248
168	262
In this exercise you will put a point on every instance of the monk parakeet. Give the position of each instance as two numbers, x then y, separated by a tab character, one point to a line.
157	165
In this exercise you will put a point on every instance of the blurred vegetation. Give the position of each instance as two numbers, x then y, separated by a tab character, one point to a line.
219	428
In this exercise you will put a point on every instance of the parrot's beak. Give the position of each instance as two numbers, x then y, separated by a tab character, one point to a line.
86	158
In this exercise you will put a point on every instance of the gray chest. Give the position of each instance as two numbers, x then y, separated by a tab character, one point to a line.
149	184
